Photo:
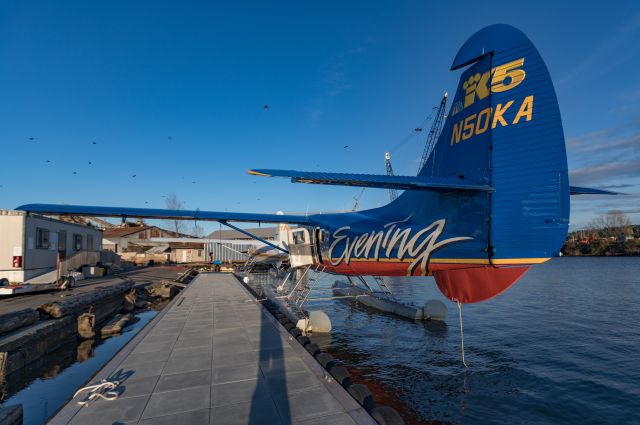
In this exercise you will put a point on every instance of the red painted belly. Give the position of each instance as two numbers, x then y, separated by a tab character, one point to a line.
466	283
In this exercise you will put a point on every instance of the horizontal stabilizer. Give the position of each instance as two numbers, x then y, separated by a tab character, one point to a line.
152	213
438	184
576	190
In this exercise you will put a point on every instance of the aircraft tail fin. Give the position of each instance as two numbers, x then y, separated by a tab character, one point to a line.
504	127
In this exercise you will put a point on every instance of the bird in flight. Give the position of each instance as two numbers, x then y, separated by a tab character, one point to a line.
265	107
345	146
133	175
89	162
94	143
418	129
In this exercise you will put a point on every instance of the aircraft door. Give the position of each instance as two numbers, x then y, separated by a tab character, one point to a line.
300	253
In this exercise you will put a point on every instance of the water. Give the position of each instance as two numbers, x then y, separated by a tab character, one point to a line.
65	370
560	347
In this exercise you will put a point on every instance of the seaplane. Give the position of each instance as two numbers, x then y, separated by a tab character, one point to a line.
491	201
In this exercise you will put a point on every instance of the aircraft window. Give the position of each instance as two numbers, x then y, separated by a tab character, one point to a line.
298	238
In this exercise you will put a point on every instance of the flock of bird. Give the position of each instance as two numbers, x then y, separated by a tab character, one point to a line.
170	139
75	172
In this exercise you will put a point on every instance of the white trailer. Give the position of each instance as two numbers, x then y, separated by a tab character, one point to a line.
31	246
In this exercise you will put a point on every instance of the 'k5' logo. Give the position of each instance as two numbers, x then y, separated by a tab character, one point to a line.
505	77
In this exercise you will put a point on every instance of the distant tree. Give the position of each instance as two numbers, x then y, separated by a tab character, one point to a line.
197	231
614	223
173	203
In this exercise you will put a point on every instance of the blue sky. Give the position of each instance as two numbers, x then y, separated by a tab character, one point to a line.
173	93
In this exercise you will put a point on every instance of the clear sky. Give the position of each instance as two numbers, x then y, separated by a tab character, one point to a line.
94	93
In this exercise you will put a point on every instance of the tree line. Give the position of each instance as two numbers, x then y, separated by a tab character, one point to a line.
608	234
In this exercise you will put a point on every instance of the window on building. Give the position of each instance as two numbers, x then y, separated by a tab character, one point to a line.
62	241
42	238
77	242
199	253
90	246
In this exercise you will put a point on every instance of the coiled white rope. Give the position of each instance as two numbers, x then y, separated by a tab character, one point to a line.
98	391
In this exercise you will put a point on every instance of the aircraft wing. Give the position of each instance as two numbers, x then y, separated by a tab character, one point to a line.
438	184
576	190
152	213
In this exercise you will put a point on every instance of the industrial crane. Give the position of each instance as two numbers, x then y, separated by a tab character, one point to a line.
393	194
436	127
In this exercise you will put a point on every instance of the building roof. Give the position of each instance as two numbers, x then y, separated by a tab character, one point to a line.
186	245
158	249
44	217
261	232
124	231
118	232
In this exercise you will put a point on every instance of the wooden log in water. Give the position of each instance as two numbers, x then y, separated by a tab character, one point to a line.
80	303
130	300
17	319
162	289
116	324
87	326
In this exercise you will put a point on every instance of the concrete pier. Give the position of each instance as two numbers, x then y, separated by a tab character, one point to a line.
215	356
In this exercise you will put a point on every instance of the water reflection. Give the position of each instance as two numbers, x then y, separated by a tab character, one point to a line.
436	328
44	385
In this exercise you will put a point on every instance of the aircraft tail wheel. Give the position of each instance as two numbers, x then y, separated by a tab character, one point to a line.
435	310
319	321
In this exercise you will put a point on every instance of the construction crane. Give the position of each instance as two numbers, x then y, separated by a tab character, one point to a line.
436	127
393	194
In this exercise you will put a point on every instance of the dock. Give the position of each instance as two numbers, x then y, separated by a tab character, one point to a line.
214	355
137	276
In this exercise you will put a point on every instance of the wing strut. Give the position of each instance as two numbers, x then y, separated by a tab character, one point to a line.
264	241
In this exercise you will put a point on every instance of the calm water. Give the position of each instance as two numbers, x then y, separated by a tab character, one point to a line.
52	383
560	347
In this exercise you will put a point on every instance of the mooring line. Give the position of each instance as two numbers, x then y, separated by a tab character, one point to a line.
461	335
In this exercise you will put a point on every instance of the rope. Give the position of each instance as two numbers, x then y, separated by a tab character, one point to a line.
461	336
95	392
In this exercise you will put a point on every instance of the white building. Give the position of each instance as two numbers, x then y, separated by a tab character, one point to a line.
118	239
30	244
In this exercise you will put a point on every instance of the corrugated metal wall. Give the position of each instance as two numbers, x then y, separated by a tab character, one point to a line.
228	251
